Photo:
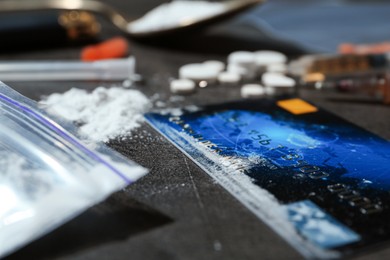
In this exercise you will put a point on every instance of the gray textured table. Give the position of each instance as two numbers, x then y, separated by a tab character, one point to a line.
177	211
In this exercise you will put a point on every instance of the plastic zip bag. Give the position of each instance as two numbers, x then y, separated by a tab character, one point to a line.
47	176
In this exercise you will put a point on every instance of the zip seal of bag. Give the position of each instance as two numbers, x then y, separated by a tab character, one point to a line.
49	174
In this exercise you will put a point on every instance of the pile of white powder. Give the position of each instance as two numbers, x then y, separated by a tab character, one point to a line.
103	114
174	14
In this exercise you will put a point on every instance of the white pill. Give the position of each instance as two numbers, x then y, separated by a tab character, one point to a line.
228	77
272	79
277	67
246	60
182	86
265	58
299	66
243	58
215	65
252	91
198	72
234	68
245	73
278	90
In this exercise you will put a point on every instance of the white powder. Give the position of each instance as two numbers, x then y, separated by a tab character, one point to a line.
226	172
103	114
174	14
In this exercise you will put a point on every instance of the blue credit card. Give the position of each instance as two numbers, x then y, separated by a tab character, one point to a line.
319	181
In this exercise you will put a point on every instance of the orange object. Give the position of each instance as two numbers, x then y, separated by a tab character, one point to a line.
117	47
375	48
297	106
346	48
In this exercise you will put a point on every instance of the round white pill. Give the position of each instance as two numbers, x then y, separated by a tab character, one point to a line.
277	67
299	66
234	68
198	72
215	65
265	58
243	58
228	77
182	86
246	60
273	79
252	91
245	73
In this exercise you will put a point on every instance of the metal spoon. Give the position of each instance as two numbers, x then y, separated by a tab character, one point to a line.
120	20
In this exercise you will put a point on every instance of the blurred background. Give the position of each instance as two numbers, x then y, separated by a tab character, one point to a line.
293	27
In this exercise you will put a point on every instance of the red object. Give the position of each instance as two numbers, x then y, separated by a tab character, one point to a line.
116	47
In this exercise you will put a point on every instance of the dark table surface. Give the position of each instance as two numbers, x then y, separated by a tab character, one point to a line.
177	211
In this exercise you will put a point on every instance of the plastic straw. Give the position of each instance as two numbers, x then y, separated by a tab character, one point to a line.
113	69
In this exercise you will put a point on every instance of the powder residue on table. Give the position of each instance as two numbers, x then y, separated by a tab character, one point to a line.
104	114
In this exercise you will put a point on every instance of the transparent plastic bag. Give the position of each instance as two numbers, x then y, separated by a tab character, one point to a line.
47	176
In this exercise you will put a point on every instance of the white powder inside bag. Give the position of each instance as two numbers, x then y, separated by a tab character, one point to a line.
103	114
174	14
